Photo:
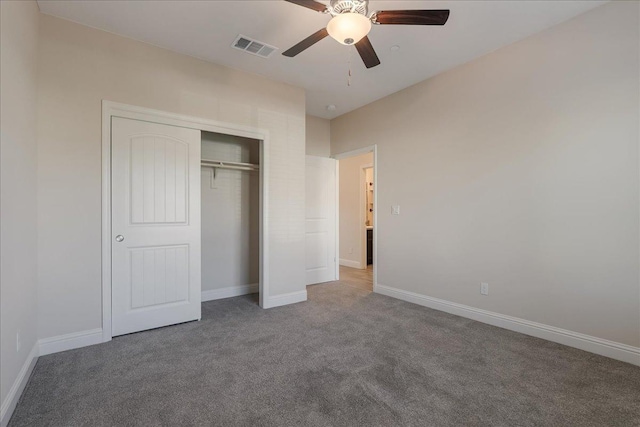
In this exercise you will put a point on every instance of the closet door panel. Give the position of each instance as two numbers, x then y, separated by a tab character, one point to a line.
317	250
159	180
155	225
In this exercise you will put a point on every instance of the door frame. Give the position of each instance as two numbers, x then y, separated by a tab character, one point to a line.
113	109
352	153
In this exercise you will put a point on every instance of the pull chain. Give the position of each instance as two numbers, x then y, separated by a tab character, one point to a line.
349	63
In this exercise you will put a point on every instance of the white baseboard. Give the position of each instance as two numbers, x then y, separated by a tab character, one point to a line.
10	402
614	350
285	299
70	341
349	263
232	291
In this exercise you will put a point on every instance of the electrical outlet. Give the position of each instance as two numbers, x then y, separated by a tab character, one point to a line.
484	288
395	210
350	250
18	342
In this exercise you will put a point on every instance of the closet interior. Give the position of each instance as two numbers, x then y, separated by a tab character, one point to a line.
230	186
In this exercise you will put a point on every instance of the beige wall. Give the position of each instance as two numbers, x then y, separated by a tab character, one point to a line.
352	210
79	67
318	136
519	169
18	290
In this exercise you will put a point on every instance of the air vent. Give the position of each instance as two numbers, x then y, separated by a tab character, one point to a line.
253	47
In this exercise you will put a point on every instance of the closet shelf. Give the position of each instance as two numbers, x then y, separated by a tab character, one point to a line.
219	164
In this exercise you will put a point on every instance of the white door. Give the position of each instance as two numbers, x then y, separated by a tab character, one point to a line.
155	197
320	220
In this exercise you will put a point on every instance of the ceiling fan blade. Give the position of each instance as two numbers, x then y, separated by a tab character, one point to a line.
411	17
367	53
309	4
306	43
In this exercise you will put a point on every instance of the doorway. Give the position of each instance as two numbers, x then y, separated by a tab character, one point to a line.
357	218
230	215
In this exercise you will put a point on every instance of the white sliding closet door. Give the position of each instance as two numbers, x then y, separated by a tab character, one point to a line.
320	219
155	225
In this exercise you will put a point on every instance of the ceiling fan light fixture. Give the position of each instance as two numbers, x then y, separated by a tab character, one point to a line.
349	28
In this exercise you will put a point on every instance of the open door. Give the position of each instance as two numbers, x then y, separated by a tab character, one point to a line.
155	225
320	219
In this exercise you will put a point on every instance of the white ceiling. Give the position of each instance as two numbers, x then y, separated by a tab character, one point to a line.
206	30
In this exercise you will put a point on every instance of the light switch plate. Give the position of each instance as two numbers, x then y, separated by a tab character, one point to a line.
395	210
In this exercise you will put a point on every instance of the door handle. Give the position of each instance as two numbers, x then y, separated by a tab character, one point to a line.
119	238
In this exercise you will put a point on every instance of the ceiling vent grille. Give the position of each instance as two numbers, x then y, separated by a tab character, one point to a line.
253	47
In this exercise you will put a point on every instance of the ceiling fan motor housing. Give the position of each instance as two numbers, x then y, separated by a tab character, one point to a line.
337	7
350	24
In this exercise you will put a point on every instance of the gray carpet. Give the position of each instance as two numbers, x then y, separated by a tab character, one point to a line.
346	357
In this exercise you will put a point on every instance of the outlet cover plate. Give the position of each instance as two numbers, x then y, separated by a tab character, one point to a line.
484	288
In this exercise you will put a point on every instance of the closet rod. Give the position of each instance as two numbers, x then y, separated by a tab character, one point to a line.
229	165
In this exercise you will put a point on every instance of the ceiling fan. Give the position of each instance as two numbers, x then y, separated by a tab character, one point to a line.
350	24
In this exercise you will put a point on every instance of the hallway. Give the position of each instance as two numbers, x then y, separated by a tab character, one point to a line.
362	279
